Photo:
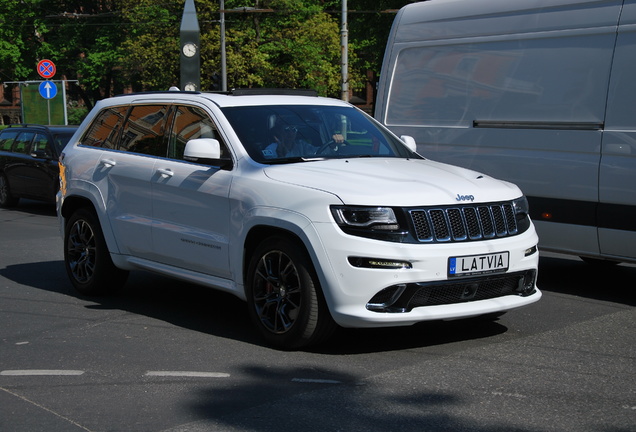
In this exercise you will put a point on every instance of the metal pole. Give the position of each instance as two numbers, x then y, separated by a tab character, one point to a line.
344	43
64	99
223	53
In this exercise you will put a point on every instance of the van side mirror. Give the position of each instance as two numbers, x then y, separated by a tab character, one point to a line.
410	142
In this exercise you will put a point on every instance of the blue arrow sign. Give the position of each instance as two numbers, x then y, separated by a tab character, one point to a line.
48	90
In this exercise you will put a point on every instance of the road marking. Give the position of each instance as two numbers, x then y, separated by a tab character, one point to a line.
187	374
41	372
315	381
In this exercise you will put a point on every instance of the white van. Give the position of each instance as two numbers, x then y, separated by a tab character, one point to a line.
539	93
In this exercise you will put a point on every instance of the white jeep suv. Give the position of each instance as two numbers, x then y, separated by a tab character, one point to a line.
305	207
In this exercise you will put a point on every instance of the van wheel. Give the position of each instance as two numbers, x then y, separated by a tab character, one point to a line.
284	297
86	256
6	199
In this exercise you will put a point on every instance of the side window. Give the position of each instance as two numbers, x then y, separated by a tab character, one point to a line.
6	140
144	130
41	146
191	123
23	142
556	79
104	130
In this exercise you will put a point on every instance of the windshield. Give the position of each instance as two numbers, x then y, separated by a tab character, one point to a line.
61	139
292	133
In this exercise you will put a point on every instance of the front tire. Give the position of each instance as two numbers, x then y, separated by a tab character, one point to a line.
86	257
284	297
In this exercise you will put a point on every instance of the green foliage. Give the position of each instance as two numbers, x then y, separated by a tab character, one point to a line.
114	45
76	113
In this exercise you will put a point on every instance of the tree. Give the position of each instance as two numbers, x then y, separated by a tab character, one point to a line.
150	53
114	45
283	43
80	36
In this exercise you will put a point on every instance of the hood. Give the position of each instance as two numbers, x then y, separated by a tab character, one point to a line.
394	181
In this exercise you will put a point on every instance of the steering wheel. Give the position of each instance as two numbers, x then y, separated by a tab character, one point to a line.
332	145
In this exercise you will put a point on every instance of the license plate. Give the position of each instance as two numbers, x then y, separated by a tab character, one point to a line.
478	264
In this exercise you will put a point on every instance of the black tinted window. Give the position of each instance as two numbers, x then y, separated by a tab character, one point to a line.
6	139
145	129
41	146
104	129
60	140
23	143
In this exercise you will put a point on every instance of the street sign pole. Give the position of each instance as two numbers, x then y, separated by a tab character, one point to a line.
46	69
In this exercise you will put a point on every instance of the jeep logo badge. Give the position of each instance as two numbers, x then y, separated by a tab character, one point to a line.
465	197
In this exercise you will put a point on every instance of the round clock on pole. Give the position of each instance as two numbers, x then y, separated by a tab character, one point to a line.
190	49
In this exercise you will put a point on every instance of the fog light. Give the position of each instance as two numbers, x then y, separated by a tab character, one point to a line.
379	263
531	251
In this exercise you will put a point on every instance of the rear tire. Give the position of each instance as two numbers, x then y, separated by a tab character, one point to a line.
284	297
6	199
86	257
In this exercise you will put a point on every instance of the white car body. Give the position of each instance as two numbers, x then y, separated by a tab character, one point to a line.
194	222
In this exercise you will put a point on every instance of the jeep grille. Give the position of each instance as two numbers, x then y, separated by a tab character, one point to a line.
462	223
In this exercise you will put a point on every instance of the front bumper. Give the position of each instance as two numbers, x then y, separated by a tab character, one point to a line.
421	289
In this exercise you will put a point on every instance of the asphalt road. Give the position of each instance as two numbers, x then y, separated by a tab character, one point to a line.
168	356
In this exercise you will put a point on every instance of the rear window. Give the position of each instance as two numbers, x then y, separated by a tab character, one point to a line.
7	138
104	130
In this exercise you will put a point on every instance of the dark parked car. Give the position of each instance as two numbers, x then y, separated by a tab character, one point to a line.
28	161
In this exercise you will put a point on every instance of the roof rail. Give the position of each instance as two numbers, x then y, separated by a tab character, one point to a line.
273	91
27	125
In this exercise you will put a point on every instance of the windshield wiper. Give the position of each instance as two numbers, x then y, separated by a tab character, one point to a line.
293	159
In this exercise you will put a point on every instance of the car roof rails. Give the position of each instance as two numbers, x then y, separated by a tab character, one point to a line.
273	91
28	125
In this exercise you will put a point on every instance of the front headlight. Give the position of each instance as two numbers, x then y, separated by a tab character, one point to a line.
522	213
521	206
365	217
372	222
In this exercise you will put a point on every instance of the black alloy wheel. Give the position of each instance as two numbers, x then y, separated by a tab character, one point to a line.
284	296
86	257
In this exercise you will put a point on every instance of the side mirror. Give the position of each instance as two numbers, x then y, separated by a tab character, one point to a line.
410	142
206	151
202	148
41	154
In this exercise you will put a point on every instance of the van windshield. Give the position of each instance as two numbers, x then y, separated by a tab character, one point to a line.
292	133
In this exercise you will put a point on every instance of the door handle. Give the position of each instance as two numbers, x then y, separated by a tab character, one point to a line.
165	172
108	163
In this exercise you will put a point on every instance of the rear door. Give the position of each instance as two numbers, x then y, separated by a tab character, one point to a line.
123	173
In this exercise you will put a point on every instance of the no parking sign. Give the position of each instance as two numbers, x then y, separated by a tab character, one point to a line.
46	68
